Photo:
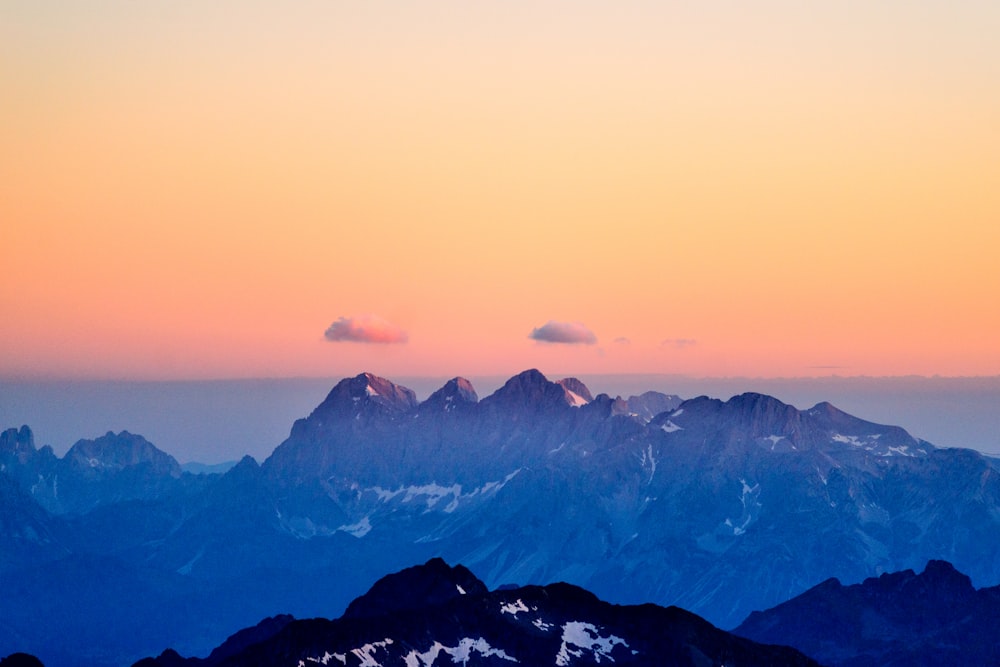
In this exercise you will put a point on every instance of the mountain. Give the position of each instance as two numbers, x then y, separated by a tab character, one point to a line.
898	619
21	660
106	470
435	614
719	507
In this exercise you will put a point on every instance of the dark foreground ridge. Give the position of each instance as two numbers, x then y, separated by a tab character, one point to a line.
434	614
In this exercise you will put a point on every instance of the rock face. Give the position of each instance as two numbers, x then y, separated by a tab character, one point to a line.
651	403
113	453
455	394
903	618
719	507
438	615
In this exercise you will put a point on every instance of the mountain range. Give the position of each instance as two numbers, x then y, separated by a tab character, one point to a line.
719	507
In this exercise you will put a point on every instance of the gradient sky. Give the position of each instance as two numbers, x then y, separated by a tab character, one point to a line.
196	189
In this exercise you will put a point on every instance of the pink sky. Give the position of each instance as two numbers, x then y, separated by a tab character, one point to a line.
797	190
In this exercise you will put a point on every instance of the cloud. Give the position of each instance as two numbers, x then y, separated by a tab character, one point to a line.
678	343
572	333
622	340
364	329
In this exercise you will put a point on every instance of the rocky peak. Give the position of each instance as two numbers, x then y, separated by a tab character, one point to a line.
364	391
455	392
577	393
115	452
527	391
17	444
763	414
845	431
941	580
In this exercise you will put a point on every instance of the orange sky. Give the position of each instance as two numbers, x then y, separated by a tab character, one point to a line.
801	189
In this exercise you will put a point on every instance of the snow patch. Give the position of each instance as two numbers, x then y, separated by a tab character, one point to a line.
748	498
366	653
325	659
585	637
461	591
370	390
847	439
649	461
460	654
541	625
575	399
359	529
670	427
434	493
385	494
513	608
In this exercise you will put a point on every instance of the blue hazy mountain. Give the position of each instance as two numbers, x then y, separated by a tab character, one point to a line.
718	507
898	619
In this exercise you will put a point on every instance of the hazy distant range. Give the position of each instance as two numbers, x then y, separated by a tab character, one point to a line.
221	420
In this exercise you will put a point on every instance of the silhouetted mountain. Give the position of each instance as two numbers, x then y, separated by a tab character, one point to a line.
899	619
431	584
437	615
233	646
21	660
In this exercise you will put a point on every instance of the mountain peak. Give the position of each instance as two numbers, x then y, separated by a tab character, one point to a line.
431	584
846	431
577	393
456	391
115	452
763	415
942	574
367	389
528	390
17	442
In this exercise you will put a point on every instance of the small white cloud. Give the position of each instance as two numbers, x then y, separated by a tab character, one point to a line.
364	329
572	333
